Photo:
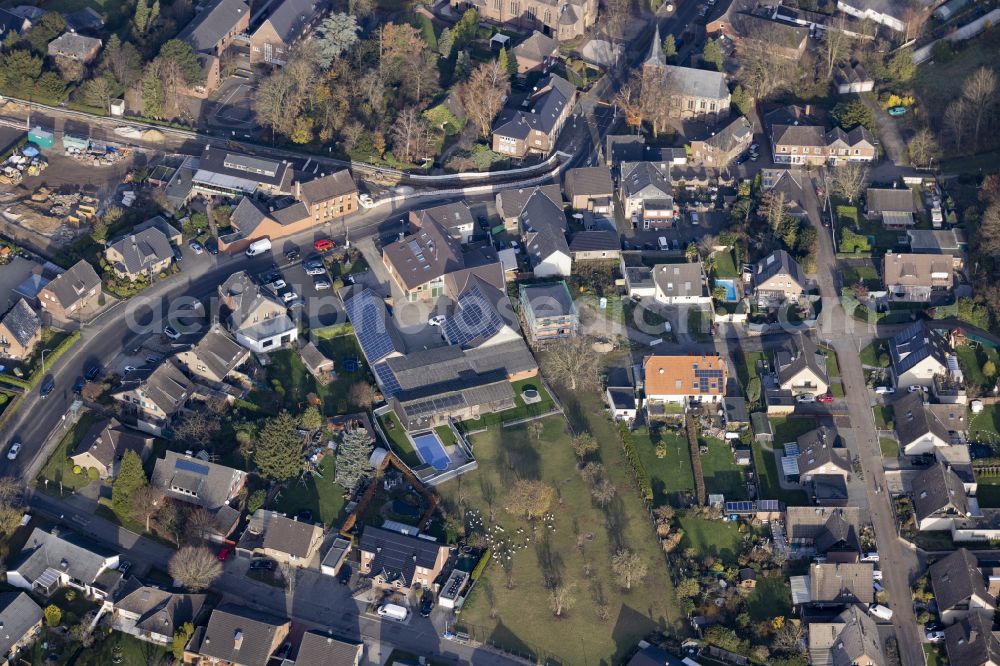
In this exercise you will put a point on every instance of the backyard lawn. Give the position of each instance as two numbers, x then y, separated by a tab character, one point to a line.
287	368
397	438
58	468
576	552
519	411
722	474
769	479
770	598
748	368
725	267
985	426
883	416
322	496
668	475
833	372
988	491
870	354
133	651
971	359
855	272
889	446
711	537
789	429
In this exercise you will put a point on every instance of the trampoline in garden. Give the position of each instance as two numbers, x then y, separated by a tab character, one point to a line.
431	450
349	364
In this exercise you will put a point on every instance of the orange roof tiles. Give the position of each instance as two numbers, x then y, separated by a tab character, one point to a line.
695	374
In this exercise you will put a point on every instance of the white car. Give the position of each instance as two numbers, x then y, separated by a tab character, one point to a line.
805	397
316	270
935	636
129	368
884	390
14	449
366	201
171	332
436	320
278	285
289	296
321	284
915	388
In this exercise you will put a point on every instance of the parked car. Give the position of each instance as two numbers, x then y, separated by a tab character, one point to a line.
313	262
178	255
79	384
805	398
171	332
426	605
289	296
825	397
124	566
262	564
935	636
436	320
323	245
344	577
48	386
224	553
884	390
315	270
196	247
212	246
278	285
92	372
292	254
14	449
915	388
321	284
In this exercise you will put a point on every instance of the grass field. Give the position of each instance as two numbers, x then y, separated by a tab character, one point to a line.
883	416
725	267
577	552
985	426
770	598
322	496
722	474
748	369
769	479
870	354
711	537
668	475
58	467
852	274
789	429
520	409
889	447
988	491
288	369
397	438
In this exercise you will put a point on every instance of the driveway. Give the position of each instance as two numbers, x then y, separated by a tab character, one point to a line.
888	132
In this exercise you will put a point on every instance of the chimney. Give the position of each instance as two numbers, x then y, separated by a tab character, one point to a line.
298	190
238	640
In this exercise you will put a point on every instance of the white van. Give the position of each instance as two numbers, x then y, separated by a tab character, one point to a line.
881	612
259	247
695	220
664	245
394	612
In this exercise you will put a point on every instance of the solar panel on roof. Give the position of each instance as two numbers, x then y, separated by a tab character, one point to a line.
368	316
191	466
252	164
768	505
476	318
387	380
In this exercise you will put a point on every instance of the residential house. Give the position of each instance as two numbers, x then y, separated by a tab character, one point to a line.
852	78
692	93
229	174
196	481
917	427
151	614
788	182
536	53
895	15
13	24
456	218
549	311
21	620
143	254
236	636
678	284
784	40
71	292
595	245
812	145
850	638
105	444
724	146
646	194
590	188
973	642
172	233
894	206
938	498
50	560
209	34
329	197
918	354
272	41
833	533
20	331
835	584
257	319
801	367
916	278
511	203
419	262
400	562
155	395
639	282
778	279
518	132
214	358
544	225
684	379
284	540
820	455
562	19
375	331
321	649
624	148
960	587
74	47
84	20
949	242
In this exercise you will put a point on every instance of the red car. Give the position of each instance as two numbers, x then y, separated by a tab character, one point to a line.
826	397
323	244
224	553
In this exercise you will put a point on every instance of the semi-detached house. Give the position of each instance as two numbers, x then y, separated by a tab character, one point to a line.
209	34
518	132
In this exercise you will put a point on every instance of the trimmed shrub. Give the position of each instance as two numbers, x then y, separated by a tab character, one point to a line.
477	571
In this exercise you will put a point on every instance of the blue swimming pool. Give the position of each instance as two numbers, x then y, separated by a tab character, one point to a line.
729	286
431	450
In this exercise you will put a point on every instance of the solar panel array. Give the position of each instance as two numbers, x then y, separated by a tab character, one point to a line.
476	318
708	378
768	505
739	507
387	380
367	314
191	466
434	405
792	449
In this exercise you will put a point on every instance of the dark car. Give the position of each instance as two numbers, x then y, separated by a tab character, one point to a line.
178	255
426	606
48	386
304	516
212	246
344	577
292	254
262	564
92	372
79	384
313	262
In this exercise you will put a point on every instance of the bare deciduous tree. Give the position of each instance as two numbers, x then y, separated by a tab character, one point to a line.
629	100
410	136
361	394
979	91
922	148
760	71
199	525
572	362
10	504
849	179
530	498
482	95
956	118
603	492
146	501
561	598
836	45
628	567
195	567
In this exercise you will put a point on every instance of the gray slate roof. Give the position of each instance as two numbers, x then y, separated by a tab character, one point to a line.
166	386
284	535
159	611
797	354
425	255
589	181
859	638
108	440
218	352
18	614
537	47
799	135
206	484
738	131
207	29
937	489
290	18
256	633
397	555
691	82
972	641
22	322
547	107
513	201
956	577
914	420
320	649
66	552
336	184
899	200
141	250
645	179
680	280
74	45
69	286
817	448
548	300
598	240
779	261
841	583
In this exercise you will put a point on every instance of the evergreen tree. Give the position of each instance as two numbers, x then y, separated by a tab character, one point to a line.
152	95
712	55
741	101
279	448
140	20
353	455
130	478
669	47
446	42
508	62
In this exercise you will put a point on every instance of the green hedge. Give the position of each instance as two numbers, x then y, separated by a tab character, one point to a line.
10	409
481	564
14	381
641	476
